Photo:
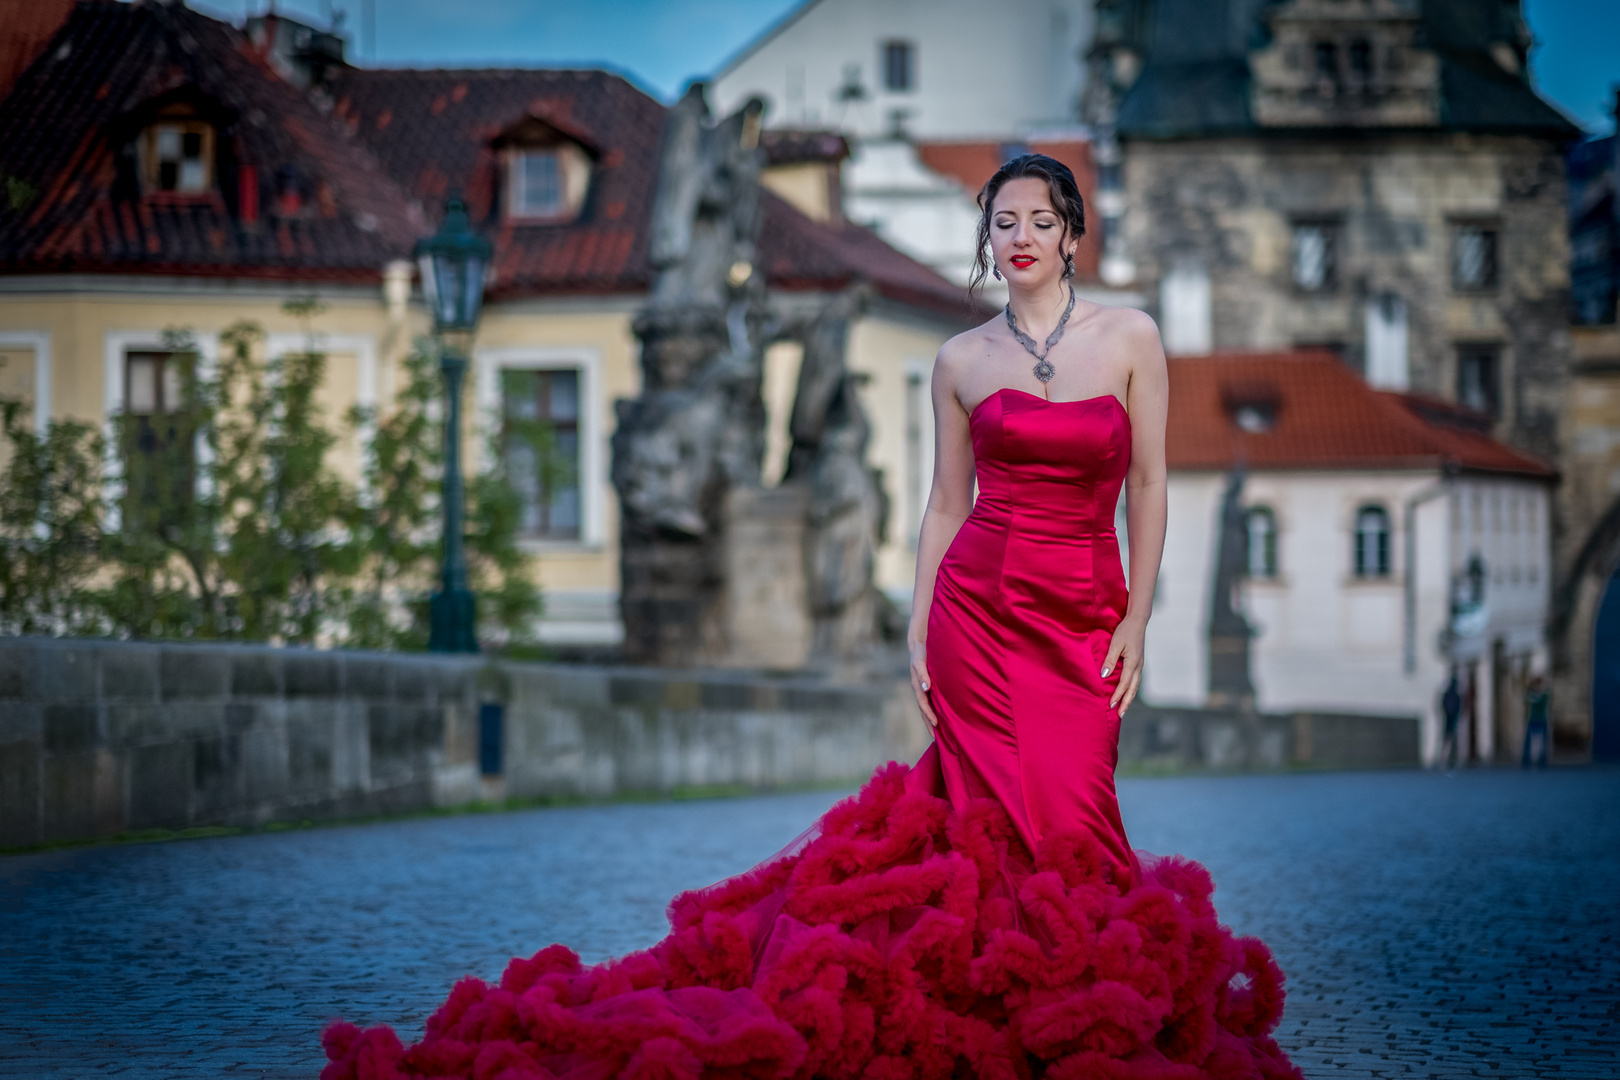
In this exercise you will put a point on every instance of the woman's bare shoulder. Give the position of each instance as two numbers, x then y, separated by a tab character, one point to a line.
1129	325
964	349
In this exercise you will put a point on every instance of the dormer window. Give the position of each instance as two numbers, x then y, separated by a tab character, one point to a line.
178	157
1252	407
537	183
547	169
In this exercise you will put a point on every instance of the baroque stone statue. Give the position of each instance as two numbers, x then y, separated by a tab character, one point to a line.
1230	683
697	429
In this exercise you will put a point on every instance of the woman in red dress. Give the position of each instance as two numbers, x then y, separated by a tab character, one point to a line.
980	914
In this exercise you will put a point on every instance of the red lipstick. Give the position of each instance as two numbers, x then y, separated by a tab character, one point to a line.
1023	262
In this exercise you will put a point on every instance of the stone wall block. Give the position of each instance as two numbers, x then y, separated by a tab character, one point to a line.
255	673
67	671
368	679
239	716
453	681
583	687
351	752
643	693
400	737
138	723
310	674
70	796
264	766
22	722
721	695
217	782
72	727
160	785
421	681
17	664
21	777
194	673
311	750
129	674
458	744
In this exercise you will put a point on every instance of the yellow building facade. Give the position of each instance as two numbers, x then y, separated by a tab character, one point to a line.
66	346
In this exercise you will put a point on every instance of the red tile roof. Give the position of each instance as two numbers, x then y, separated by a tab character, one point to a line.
972	163
372	171
432	130
67	130
1325	417
793	146
25	28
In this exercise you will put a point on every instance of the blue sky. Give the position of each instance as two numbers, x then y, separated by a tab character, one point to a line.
663	43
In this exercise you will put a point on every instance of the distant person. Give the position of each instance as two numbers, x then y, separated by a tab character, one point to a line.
981	913
1537	738
1451	708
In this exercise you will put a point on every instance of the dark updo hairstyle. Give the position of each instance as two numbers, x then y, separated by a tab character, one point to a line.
1060	185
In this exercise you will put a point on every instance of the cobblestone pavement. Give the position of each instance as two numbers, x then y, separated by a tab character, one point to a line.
1430	926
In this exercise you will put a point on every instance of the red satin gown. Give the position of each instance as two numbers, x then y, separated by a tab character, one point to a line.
980	914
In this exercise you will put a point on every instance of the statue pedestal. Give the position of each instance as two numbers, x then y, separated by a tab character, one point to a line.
767	619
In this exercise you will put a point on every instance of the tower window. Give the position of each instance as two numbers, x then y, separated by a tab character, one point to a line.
1473	258
1327	62
1316	256
1478	377
1360	57
899	65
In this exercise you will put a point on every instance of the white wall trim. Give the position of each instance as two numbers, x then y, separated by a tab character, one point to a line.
40	342
593	437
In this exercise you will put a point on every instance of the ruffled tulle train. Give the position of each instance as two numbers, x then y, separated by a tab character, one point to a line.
905	939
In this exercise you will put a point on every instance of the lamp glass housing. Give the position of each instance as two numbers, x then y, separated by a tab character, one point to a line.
453	263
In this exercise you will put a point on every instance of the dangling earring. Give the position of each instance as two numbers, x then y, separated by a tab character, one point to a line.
996	270
1068	266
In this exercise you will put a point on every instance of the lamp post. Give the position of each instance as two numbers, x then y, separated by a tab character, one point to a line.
452	262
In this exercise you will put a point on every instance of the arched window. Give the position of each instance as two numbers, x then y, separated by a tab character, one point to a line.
1262	542
1372	542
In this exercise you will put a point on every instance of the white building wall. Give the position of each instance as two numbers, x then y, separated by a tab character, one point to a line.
1176	668
1327	639
982	71
926	215
1330	641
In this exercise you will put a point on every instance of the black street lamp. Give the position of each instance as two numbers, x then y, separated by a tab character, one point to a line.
453	263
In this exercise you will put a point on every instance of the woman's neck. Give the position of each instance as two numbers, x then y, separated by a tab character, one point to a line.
1038	310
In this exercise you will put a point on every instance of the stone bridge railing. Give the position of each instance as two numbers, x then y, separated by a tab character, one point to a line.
99	738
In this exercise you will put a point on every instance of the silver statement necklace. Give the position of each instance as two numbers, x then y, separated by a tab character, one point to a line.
1043	367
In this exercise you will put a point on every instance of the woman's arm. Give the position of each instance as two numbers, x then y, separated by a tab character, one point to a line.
1147	400
950	500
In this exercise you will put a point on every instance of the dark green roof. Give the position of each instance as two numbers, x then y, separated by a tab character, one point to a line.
1196	81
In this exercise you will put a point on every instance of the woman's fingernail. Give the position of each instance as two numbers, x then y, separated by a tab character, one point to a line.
1106	671
925	686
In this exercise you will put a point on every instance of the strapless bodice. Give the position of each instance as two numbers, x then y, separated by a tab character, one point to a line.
1041	534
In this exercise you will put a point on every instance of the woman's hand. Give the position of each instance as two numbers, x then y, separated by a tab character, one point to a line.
1125	653
921	683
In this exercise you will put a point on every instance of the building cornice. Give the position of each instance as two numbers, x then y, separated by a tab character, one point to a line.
38	285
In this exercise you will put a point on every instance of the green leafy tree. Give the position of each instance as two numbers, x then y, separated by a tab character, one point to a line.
222	518
400	530
51	518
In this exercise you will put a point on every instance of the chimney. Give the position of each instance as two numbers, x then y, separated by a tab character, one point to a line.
300	53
